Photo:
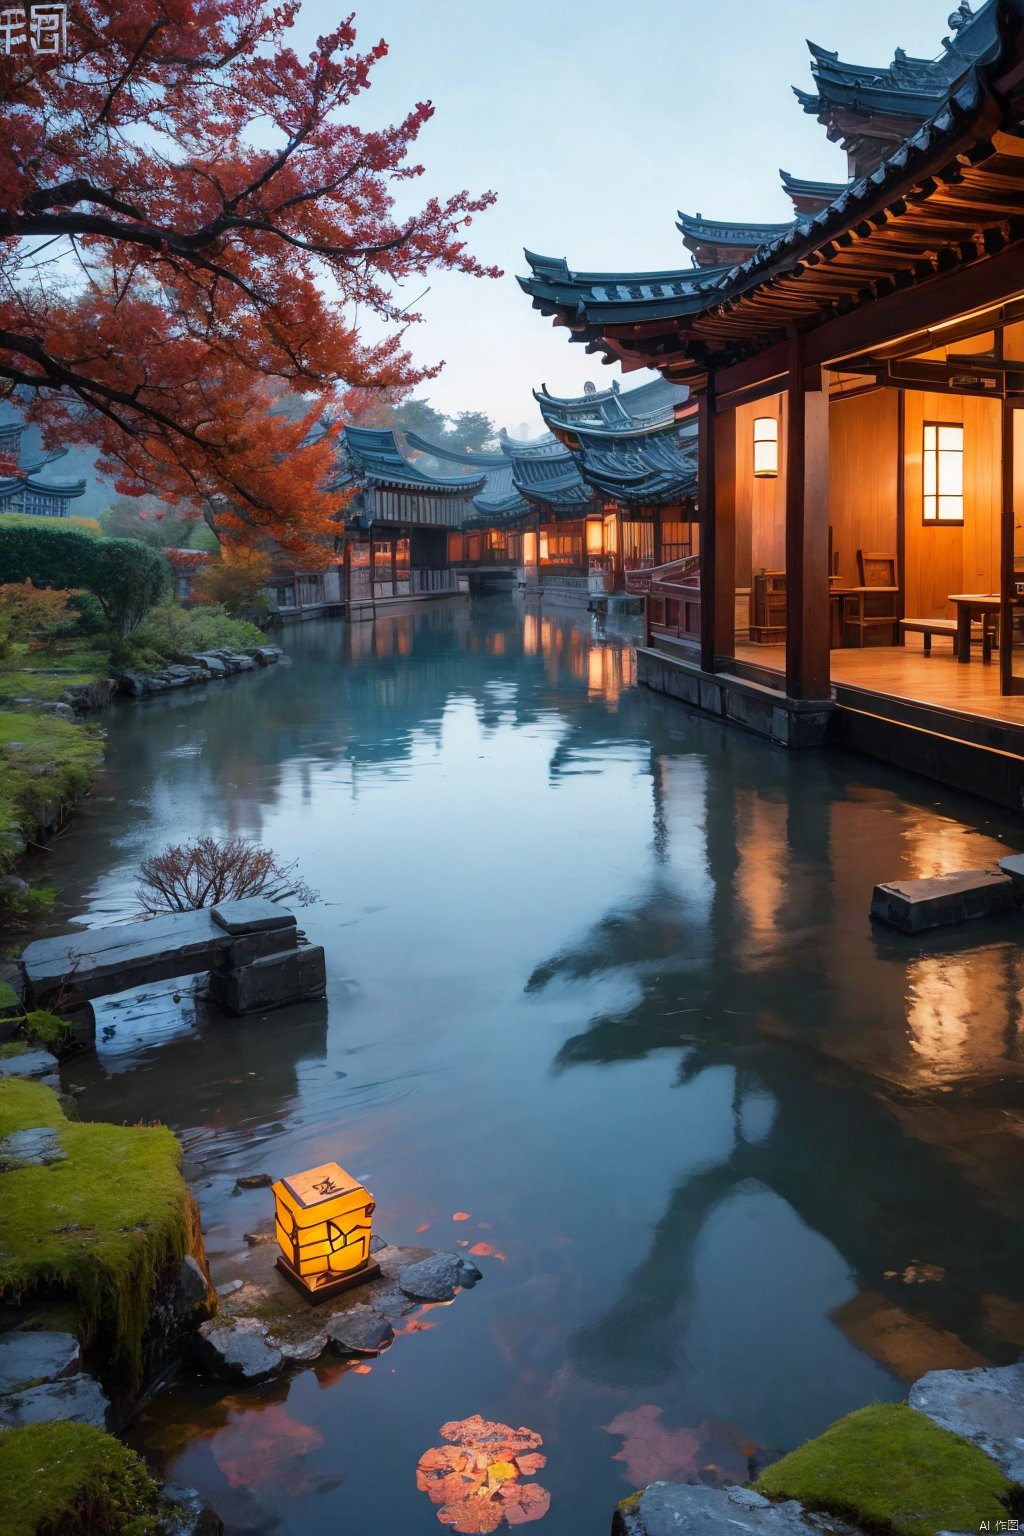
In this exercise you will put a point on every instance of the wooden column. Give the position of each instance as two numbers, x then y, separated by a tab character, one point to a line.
706	506
807	601
725	523
1007	587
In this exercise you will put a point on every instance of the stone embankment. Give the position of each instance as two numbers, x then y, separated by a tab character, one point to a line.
199	667
950	1460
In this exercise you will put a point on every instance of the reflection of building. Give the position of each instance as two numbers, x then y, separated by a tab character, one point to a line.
859	379
30	488
858	1072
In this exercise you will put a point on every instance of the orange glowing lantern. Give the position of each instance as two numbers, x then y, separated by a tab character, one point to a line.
324	1230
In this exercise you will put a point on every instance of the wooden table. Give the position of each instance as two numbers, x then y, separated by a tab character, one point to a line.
969	604
837	602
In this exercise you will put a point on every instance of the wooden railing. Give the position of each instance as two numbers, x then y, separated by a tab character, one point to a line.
672	606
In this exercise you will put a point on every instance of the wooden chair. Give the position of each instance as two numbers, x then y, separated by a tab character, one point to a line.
867	609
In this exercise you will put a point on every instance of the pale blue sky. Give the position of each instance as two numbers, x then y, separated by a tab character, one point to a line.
594	122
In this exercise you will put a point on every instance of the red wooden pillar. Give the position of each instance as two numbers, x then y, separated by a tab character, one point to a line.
807	599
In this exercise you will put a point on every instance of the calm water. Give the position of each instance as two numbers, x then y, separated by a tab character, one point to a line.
601	975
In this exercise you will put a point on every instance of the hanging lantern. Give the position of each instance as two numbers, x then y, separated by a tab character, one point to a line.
766	447
323	1230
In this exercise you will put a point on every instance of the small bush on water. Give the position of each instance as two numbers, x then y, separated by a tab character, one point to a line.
206	871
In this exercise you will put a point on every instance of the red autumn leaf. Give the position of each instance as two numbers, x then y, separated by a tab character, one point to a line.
423	1227
524	1502
461	1216
651	1452
481	1250
531	1463
361	1370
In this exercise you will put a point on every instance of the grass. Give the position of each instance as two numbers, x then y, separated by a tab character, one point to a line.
73	1480
44	674
108	1224
41	759
12	1048
892	1471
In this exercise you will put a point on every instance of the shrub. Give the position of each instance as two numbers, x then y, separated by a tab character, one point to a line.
201	873
171	630
130	579
28	610
236	583
85	617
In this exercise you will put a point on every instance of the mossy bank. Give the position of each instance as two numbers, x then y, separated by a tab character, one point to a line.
104	1227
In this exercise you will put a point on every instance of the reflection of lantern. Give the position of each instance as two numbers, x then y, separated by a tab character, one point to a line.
323	1230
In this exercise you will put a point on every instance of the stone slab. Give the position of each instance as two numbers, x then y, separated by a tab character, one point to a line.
36	1146
1013	865
36	1355
915	905
40	1065
254	914
272	981
92	961
985	1406
78	1400
680	1509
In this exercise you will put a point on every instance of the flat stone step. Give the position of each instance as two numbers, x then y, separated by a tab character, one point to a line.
915	905
93	961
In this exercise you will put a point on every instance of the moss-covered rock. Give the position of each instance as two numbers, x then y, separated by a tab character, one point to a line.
892	1470
73	1480
109	1224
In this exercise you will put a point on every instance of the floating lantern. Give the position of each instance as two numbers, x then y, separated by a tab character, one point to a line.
324	1230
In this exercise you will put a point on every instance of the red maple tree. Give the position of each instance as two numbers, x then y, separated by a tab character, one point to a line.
189	222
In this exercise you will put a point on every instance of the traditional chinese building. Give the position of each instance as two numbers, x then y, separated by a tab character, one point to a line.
32	489
858	376
604	495
398	521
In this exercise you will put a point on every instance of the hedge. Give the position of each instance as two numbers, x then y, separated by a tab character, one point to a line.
126	577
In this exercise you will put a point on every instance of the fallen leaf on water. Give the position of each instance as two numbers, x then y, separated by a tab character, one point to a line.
920	1274
463	1242
361	1370
461	1216
423	1227
524	1502
475	1478
498	1255
481	1250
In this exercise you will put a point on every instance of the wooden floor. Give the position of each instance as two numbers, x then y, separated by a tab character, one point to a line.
905	672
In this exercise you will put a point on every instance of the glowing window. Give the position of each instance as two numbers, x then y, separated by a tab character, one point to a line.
943	464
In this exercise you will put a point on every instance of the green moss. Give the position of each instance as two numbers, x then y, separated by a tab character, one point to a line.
12	1048
109	1222
42	759
73	1480
892	1470
47	1029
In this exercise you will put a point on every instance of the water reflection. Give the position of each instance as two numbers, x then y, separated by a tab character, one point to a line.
600	975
